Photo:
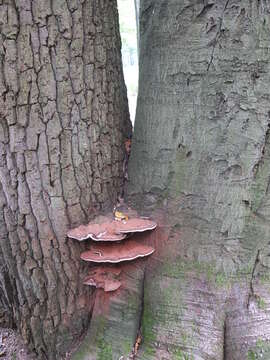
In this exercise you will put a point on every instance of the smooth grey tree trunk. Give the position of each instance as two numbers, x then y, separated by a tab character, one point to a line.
137	14
63	122
201	152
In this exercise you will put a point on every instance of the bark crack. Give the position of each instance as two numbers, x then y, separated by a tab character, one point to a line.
224	340
252	295
215	41
204	10
139	332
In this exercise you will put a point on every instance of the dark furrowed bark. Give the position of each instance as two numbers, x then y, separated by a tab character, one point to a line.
64	119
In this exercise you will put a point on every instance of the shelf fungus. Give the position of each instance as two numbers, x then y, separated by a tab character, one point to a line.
134	225
116	253
104	278
96	232
108	233
111	231
108	236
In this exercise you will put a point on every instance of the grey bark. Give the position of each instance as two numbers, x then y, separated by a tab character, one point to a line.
201	151
64	118
137	14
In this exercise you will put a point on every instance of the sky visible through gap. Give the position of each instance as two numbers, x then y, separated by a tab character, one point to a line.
127	20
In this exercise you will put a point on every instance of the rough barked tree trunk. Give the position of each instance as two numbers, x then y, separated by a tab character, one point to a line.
63	121
201	150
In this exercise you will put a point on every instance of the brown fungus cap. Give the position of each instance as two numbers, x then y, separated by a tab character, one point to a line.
115	253
103	283
111	230
97	232
104	277
134	225
108	236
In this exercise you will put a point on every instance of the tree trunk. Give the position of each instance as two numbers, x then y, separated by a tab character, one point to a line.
64	118
200	165
201	151
137	14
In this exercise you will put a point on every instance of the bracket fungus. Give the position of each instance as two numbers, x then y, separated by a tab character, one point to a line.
107	285
104	278
109	232
97	232
108	236
116	253
134	225
114	230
